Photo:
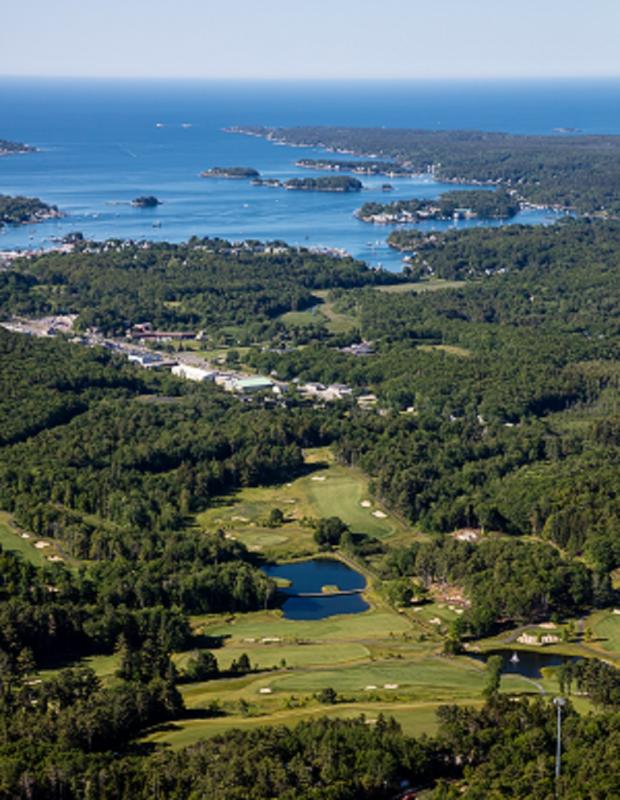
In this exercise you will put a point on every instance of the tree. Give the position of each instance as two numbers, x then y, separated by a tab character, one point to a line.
328	696
275	518
494	676
242	664
329	531
202	667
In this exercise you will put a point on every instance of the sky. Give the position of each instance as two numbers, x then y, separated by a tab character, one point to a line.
321	39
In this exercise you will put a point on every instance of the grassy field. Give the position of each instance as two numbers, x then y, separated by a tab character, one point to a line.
433	285
451	349
328	489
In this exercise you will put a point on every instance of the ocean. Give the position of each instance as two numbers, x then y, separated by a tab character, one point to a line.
104	142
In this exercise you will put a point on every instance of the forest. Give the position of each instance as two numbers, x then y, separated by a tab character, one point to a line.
497	410
205	284
578	172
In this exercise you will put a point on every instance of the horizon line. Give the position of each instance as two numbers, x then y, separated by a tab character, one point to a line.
313	79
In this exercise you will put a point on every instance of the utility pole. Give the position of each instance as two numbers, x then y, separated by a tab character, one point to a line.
559	703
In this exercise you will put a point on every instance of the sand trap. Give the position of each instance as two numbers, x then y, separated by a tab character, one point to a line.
365	504
265	691
435	621
41	545
318	477
55	559
251	641
240	519
549	626
370	687
289	484
270	639
390	686
379	514
616	611
25	536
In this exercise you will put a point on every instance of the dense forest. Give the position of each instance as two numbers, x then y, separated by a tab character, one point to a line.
110	461
206	284
504	393
580	172
498	408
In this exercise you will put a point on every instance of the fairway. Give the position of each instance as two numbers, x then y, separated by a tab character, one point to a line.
12	541
328	490
367	625
606	627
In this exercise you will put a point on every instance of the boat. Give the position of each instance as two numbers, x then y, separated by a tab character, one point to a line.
514	659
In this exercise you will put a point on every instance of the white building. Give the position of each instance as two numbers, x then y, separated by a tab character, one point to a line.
193	373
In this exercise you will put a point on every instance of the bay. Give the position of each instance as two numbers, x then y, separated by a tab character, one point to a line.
104	143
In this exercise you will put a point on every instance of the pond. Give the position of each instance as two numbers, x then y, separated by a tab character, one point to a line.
305	598
524	662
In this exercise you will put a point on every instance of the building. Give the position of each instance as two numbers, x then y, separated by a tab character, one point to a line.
147	360
252	385
193	373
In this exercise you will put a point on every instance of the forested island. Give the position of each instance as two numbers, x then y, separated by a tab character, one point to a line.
24	210
336	183
230	172
580	172
146	201
8	148
473	204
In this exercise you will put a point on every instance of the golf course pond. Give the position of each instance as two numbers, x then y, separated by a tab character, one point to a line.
319	588
524	662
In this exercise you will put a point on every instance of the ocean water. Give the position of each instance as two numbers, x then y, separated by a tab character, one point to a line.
101	147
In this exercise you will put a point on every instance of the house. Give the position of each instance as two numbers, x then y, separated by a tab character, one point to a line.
360	349
193	373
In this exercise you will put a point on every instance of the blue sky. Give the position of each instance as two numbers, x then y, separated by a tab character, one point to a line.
311	38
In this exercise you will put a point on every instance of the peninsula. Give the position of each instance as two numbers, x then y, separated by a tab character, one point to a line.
235	173
476	204
578	172
24	210
8	148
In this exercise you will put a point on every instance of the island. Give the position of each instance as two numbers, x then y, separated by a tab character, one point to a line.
8	148
340	183
25	210
475	204
146	201
235	173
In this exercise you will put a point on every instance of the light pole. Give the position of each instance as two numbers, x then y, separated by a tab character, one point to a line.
559	703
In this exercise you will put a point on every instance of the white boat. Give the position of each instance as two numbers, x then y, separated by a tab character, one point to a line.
514	659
